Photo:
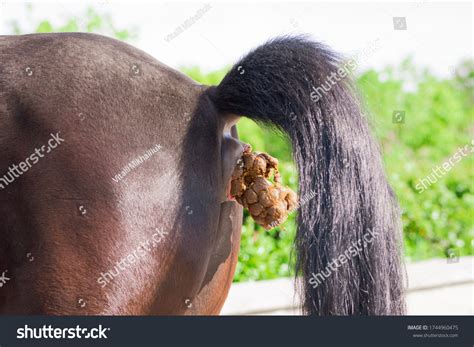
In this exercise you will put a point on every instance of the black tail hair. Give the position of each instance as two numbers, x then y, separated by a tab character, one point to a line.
300	87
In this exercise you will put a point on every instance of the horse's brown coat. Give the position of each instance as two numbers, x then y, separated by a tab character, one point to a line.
65	221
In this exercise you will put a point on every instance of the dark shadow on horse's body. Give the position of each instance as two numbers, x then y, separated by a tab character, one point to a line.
111	103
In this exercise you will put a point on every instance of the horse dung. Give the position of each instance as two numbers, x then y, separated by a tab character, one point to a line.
268	203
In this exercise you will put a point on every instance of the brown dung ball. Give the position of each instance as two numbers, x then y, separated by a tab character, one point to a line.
268	203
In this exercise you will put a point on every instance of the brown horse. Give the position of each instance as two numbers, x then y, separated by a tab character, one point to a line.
115	171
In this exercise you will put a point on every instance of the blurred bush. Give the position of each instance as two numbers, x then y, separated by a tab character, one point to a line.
438	120
91	21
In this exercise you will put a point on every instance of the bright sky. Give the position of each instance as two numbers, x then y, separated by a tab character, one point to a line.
438	35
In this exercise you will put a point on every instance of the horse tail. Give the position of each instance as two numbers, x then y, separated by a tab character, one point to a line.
348	238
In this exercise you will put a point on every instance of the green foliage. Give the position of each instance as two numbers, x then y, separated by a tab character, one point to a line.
438	120
91	21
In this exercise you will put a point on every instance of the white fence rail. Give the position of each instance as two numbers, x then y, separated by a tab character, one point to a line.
435	287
